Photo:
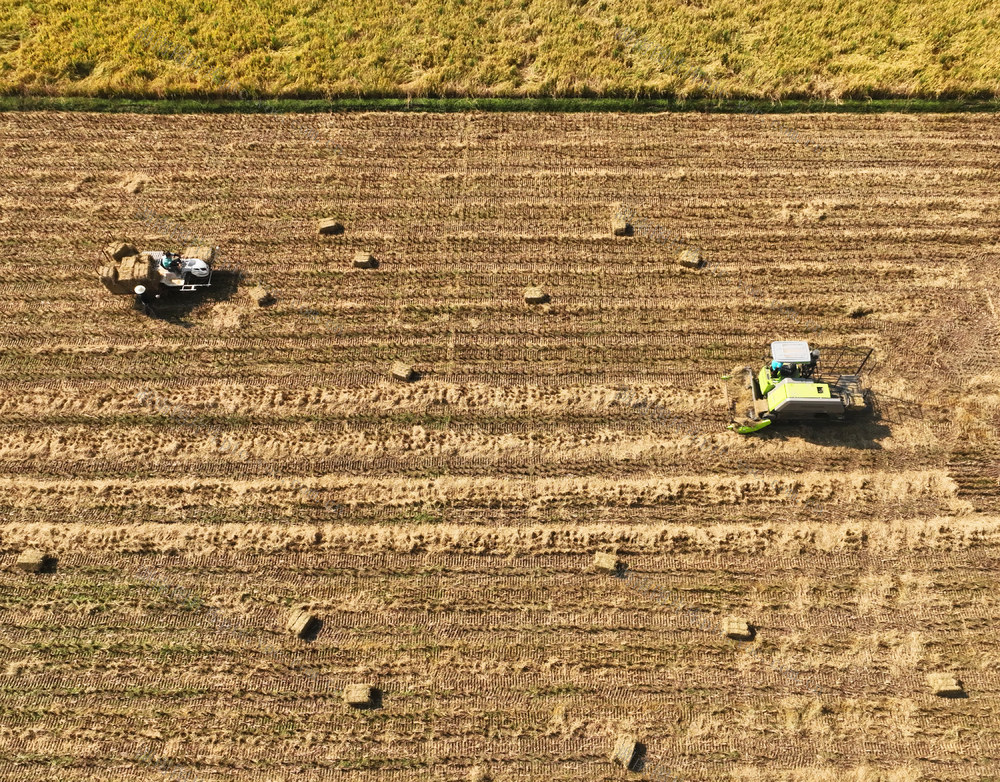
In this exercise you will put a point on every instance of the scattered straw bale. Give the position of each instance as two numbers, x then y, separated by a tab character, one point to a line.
328	226
33	561
815	210
690	259
624	751
301	623
401	371
737	628
119	250
606	562
202	251
804	212
479	774
945	685
360	696
535	296
261	295
78	185
620	225
135	184
364	260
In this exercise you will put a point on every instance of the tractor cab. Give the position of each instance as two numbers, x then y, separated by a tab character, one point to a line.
786	386
182	273
789	361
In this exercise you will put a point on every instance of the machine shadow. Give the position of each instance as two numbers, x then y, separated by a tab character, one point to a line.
861	432
174	307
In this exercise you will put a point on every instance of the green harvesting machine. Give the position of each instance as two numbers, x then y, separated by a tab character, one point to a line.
797	386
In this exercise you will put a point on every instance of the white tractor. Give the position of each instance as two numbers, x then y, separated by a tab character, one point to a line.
125	270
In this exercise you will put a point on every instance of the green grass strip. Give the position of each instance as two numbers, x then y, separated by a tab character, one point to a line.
443	105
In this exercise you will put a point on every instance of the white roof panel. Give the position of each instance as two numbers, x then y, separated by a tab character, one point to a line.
792	351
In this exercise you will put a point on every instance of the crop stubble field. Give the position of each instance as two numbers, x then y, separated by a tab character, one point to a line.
197	479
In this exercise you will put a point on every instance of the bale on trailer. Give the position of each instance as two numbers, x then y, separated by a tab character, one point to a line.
737	628
690	259
135	270
620	226
364	260
33	561
606	562
109	278
201	251
328	226
119	250
301	623
360	696
625	751
945	685
535	296
401	371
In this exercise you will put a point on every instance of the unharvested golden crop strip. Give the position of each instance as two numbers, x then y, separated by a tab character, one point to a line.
943	533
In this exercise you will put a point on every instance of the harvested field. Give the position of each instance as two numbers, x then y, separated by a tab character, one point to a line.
198	481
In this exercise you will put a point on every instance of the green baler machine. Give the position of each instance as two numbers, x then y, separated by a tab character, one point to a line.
794	387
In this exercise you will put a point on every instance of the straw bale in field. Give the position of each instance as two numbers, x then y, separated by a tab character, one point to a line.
606	562
401	371
690	258
625	750
360	696
945	685
620	226
33	561
328	226
364	260
737	628
535	296
301	623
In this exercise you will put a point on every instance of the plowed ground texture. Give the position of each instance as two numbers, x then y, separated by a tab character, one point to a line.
200	475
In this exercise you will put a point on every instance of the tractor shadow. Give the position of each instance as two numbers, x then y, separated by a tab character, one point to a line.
175	307
894	410
861	432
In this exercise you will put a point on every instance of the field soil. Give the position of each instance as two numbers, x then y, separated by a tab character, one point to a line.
201	475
